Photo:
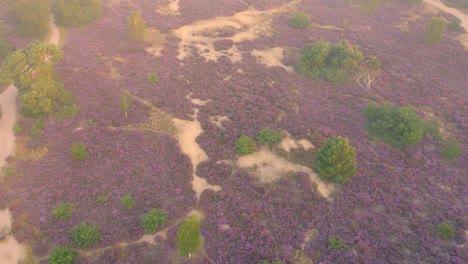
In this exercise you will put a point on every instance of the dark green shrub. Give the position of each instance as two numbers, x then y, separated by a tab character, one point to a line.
63	210
435	30
336	160
85	235
445	231
63	255
127	201
397	126
267	136
299	21
153	77
75	13
78	151
451	149
152	220
245	145
189	236
335	243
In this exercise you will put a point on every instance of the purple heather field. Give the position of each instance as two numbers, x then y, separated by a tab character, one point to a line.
387	213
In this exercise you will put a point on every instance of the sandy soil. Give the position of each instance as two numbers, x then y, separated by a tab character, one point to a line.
11	252
462	16
269	167
242	26
289	143
272	57
171	9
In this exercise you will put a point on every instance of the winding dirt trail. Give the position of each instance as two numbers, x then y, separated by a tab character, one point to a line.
12	252
464	18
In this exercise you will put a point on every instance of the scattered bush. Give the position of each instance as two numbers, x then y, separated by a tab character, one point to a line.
127	201
189	236
102	199
136	26
152	220
299	21
63	210
85	235
445	231
451	149
245	145
337	63
74	13
397	126
267	136
153	77
335	243
336	160
63	255
78	151
435	30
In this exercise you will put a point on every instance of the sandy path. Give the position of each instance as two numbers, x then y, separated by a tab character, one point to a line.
464	18
12	252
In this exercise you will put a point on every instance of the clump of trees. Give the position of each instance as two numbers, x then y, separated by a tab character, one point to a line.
73	13
63	255
337	63
189	236
336	160
31	17
40	92
299	21
136	26
397	126
435	30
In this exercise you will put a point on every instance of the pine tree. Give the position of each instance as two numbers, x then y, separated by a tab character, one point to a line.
435	30
136	26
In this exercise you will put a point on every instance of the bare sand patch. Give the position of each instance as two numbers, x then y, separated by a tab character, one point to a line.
289	143
269	167
171	9
272	57
242	26
11	252
156	38
7	120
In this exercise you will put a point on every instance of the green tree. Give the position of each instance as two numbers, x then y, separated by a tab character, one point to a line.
435	30
125	103
451	149
5	47
85	235
152	220
189	236
299	21
63	255
78	151
267	136
445	231
397	126
336	160
75	13
136	26
31	17
245	145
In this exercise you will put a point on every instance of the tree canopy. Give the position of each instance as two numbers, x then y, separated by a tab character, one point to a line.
435	30
336	160
136	26
31	17
74	13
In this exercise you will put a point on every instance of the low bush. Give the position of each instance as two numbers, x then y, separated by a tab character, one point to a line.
128	202
435	30
445	231
397	126
78	151
189	236
85	235
267	136
245	145
335	243
153	77
451	149
63	255
102	199
63	210
152	220
299	21
336	160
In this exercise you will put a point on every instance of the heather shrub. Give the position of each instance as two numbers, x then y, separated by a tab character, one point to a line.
335	243
299	21
337	63
267	136
152	220
85	235
153	77
397	126
336	160
445	231
189	236
451	149
127	201
75	13
63	255
245	145
435	30
78	151
63	210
